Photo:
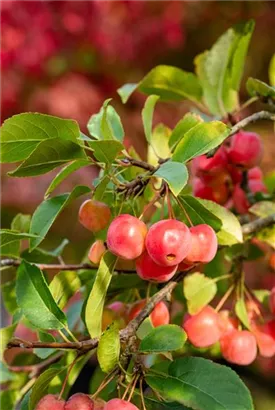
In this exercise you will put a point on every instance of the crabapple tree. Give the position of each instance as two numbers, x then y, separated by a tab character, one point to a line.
164	273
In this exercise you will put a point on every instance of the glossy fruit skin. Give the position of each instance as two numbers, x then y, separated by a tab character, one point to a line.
147	269
204	244
79	401
159	316
272	301
119	404
239	347
245	149
265	341
94	215
50	402
126	236
96	251
240	200
226	323
203	328
216	190
213	165
168	242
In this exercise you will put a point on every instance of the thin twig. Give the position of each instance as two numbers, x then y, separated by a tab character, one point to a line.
35	369
258	224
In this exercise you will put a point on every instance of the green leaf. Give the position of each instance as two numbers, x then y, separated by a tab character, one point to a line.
63	286
106	124
65	172
46	213
5	374
202	385
271	71
21	223
169	83
109	348
199	291
41	385
48	155
9	297
21	134
145	328
198	213
36	300
6	334
43	353
263	209
25	401
241	312
159	144
220	69
231	230
147	116
200	139
8	399
100	188
10	241
189	121
106	151
95	302
165	338
175	174
258	88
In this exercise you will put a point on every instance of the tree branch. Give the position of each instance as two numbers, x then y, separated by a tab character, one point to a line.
258	224
35	369
262	115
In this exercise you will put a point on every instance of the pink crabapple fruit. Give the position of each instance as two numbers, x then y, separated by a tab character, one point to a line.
204	244
50	402
265	341
94	215
119	404
202	329
239	347
227	323
79	401
212	165
159	316
168	242
96	251
126	236
245	149
147	269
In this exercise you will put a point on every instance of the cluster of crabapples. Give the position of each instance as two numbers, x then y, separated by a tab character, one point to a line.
81	401
232	176
169	245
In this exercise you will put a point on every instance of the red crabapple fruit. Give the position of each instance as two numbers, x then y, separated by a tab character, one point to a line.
245	149
119	404
204	244
168	242
159	316
50	402
227	323
239	347
265	341
79	401
94	215
217	163
96	251
203	328
147	269
217	191
272	301
126	236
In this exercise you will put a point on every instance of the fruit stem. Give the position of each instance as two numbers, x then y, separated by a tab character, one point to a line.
184	211
133	387
71	334
141	394
148	291
67	376
64	337
105	382
224	298
168	199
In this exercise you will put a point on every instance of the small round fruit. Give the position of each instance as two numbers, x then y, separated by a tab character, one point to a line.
227	323
168	242
239	347
265	341
147	269
203	328
241	203
96	251
159	316
119	404
126	236
99	404
217	163
50	402
94	215
79	401
204	244
272	301
217	191
245	149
